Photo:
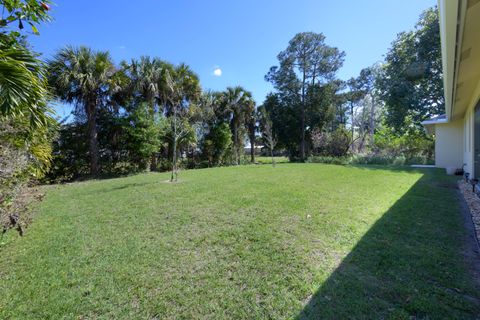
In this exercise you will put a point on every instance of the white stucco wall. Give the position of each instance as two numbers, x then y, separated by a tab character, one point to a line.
468	139
449	144
469	133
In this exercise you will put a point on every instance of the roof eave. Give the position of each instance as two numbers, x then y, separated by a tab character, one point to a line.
451	19
449	25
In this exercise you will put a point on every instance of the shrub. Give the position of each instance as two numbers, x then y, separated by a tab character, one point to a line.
332	144
369	160
329	160
414	144
217	145
25	156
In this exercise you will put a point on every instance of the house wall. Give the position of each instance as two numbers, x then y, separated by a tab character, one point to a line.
459	25
469	143
468	140
449	144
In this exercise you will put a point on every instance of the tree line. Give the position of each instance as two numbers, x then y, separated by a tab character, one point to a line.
143	114
149	114
376	114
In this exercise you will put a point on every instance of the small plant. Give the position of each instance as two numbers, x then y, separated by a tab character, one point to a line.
268	137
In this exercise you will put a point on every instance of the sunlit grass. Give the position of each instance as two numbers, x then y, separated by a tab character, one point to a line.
241	242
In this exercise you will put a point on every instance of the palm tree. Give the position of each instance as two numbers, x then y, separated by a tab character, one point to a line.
82	76
146	78
147	83
240	103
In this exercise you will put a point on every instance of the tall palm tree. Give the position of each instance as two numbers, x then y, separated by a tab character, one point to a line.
179	86
240	103
82	76
145	75
146	85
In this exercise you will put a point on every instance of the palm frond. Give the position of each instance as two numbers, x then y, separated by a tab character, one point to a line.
23	86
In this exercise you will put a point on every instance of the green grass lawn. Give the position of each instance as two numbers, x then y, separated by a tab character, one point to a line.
250	242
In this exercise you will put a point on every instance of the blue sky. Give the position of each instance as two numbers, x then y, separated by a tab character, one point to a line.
242	38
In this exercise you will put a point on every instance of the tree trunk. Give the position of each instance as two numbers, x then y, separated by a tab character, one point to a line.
252	151
362	142
372	120
273	159
153	158
353	128
302	121
235	141
153	162
92	137
174	175
251	129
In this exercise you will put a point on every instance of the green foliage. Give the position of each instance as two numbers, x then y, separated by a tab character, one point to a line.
335	143
83	77
182	89
127	143
384	160
329	160
178	124
286	122
390	147
26	122
239	105
186	139
338	142
69	153
145	79
412	144
17	13
320	107
217	144
23	88
388	95
143	135
411	82
304	81
148	111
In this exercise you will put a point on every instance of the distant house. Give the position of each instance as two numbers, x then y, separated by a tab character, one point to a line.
457	132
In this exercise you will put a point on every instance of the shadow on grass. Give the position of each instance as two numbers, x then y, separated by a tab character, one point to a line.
395	168
408	265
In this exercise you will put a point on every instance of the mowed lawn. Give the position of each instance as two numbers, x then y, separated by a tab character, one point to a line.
305	241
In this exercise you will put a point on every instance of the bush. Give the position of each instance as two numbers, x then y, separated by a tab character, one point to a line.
329	160
24	157
369	160
13	167
217	144
414	144
332	144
